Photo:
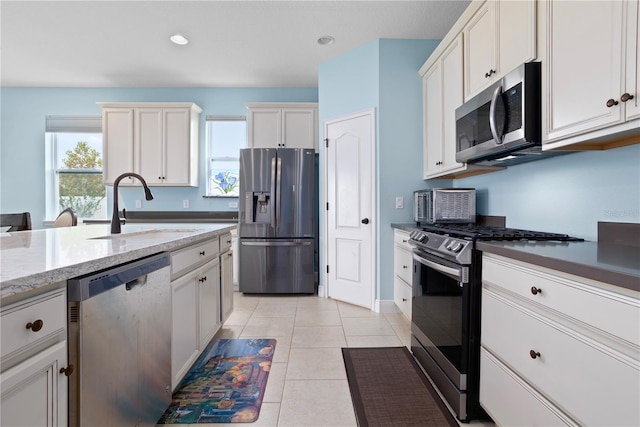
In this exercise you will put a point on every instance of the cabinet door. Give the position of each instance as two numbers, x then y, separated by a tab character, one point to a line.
452	98
148	137
432	99
184	328
299	128
402	296
226	285
117	145
479	50
585	56
516	24
633	60
265	128
209	301
176	160
34	393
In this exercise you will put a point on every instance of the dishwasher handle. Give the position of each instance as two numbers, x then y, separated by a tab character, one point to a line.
131	274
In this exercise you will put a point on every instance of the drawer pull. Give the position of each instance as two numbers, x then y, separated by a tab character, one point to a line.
534	354
67	371
535	291
202	253
35	326
229	241
202	279
404	266
404	241
404	299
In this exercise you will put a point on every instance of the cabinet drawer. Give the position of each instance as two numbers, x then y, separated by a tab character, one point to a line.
498	384
225	242
49	310
194	256
613	313
403	264
401	238
402	294
592	383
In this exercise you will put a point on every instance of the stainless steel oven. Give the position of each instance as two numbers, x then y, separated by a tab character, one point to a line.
445	332
445	323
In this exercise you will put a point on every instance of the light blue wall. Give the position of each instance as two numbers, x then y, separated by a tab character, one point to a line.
567	194
22	149
382	75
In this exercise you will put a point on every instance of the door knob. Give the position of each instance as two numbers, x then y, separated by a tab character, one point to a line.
365	221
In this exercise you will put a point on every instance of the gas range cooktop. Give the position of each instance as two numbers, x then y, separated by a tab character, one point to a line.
456	241
481	232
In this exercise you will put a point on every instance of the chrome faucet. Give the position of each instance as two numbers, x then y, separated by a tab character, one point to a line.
115	218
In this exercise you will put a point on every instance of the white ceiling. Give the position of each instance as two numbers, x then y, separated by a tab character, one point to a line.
233	43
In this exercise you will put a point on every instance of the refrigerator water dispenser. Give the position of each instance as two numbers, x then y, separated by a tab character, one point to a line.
259	207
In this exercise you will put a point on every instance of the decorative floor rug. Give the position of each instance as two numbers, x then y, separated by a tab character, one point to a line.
225	385
389	389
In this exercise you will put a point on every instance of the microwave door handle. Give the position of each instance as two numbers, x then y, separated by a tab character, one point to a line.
492	115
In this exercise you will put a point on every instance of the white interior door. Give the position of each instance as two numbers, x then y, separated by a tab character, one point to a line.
350	250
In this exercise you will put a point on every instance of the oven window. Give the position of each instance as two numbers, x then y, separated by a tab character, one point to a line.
438	311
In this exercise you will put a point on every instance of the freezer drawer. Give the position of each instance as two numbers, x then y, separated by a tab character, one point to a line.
276	266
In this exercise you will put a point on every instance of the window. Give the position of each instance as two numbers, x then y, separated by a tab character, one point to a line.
74	175
225	137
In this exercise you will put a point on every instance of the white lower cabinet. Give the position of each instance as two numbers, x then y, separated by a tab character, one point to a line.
195	304
226	284
549	342
33	375
34	393
402	272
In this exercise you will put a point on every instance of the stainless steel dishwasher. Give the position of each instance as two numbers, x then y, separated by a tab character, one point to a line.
119	327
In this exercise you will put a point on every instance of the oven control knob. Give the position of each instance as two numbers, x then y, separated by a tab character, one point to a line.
457	247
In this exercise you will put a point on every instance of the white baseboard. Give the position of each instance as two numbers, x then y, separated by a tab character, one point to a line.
385	306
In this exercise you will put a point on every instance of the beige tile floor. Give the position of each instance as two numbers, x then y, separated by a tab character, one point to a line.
307	384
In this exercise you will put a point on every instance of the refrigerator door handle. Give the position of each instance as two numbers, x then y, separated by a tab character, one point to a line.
275	243
278	188
273	192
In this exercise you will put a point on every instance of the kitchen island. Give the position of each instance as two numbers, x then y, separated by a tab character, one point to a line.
32	260
34	269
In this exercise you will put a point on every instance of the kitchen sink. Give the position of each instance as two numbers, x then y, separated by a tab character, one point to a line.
148	234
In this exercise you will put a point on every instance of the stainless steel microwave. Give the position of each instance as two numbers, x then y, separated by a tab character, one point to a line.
503	123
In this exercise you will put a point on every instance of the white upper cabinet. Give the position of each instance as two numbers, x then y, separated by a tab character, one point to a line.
499	37
591	68
283	125
632	87
156	140
442	94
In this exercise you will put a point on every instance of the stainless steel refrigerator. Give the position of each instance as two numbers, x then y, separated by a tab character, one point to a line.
277	220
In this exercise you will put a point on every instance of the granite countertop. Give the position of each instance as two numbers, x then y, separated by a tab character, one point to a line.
30	260
618	265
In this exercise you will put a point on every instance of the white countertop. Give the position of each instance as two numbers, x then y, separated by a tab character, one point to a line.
30	260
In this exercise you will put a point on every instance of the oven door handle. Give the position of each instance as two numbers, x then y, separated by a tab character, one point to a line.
453	272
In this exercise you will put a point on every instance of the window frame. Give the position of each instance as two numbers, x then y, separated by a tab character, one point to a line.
55	125
211	158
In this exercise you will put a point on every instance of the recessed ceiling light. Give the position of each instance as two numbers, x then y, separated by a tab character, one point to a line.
179	39
325	40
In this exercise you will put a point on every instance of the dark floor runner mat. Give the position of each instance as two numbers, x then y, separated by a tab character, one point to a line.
389	389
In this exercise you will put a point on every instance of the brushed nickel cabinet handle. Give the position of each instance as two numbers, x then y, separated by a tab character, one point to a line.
35	326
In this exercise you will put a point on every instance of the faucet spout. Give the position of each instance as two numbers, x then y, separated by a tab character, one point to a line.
115	217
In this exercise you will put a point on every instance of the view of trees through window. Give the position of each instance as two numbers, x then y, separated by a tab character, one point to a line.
80	180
